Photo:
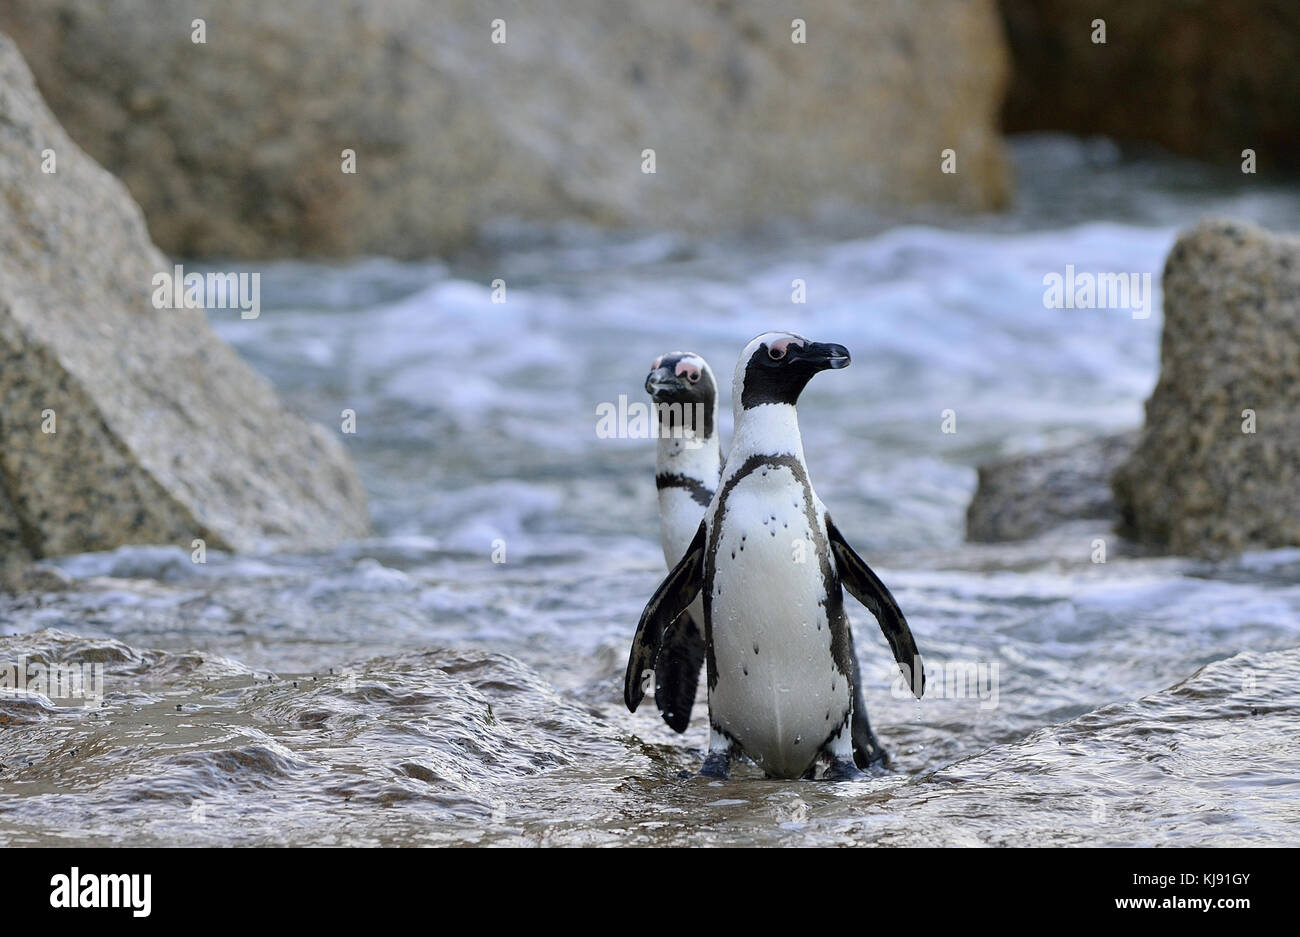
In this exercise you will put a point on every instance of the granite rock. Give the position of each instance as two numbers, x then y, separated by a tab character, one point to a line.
1217	467
1023	496
233	147
121	422
1205	78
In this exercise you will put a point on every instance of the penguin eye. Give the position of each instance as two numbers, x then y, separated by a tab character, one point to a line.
693	376
776	354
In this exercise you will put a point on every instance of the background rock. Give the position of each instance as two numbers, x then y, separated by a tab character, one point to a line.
1024	496
1197	484
162	434
233	147
1208	78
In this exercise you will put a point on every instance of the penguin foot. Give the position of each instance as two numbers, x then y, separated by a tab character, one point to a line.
870	755
843	769
867	751
716	765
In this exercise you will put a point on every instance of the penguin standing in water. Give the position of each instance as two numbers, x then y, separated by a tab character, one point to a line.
687	464
770	567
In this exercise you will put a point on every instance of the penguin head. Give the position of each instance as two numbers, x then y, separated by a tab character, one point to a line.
777	366
684	379
681	377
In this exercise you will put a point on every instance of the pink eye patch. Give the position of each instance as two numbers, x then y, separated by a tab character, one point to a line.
690	371
781	345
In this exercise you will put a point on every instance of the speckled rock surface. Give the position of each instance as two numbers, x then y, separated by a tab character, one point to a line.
1024	496
161	434
1197	483
232	147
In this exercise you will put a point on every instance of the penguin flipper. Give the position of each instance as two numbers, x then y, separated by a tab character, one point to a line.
674	594
865	586
677	671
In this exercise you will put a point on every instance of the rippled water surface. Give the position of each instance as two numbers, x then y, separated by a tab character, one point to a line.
408	690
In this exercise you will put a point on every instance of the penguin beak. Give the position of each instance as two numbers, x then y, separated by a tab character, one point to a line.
662	381
823	355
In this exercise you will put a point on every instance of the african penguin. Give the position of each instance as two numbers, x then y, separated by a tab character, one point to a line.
771	566
687	465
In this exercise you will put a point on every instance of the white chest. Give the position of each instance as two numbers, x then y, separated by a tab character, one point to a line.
679	519
778	691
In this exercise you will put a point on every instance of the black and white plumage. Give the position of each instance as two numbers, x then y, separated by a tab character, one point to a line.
688	461
782	673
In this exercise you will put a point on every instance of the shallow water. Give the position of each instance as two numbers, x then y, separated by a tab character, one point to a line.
408	690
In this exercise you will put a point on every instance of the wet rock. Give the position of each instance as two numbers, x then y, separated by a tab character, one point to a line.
120	422
1207	79
18	575
1022	497
1174	764
464	737
1217	467
235	146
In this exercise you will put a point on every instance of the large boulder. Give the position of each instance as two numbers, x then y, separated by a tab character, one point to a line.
1206	78
120	422
233	147
1208	477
